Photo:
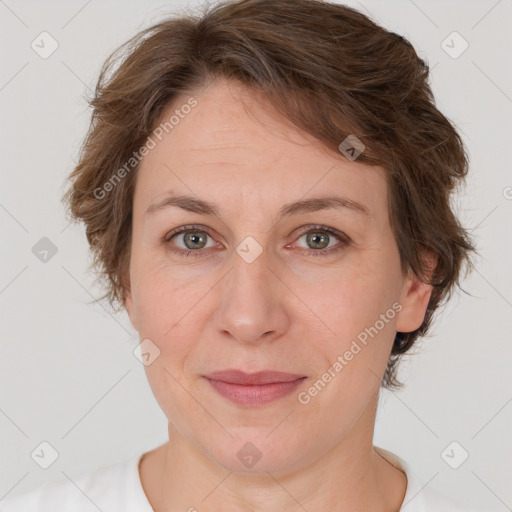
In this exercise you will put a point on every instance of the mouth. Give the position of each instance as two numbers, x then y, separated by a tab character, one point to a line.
253	389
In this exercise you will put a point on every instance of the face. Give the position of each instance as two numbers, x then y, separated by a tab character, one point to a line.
255	285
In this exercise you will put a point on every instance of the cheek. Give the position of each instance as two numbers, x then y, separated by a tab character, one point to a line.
163	307
352	299
162	297
356	310
170	311
354	360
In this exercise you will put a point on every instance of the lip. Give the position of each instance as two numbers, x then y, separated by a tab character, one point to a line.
255	379
253	388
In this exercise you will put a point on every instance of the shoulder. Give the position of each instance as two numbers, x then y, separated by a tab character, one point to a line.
418	496
114	487
428	499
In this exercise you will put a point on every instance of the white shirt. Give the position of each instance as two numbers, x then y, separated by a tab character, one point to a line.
117	488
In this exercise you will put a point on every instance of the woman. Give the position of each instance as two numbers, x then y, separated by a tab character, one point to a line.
266	190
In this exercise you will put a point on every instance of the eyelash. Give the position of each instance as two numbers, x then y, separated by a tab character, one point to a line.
344	239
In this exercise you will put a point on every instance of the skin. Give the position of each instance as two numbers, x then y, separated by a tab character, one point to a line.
287	310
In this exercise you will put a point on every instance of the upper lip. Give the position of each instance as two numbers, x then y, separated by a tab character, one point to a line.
257	378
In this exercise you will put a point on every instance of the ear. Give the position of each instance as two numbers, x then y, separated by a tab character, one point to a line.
128	304
415	297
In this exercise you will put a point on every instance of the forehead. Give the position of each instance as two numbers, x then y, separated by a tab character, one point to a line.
232	145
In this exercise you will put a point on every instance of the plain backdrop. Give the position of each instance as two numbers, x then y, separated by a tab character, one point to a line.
67	369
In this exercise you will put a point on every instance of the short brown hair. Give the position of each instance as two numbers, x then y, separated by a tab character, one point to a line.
327	68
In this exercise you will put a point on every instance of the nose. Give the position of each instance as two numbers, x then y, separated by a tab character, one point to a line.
252	306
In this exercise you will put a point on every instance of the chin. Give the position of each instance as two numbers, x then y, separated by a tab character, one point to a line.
256	452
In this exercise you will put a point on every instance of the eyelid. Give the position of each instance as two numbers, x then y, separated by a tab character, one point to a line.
319	227
332	231
187	227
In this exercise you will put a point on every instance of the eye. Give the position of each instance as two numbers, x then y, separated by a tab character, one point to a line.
320	238
189	239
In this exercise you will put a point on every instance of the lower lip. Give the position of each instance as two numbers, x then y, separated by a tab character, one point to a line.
254	395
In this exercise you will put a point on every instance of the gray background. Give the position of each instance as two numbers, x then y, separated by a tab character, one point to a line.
68	375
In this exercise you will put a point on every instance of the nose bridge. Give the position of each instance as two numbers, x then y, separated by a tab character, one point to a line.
251	304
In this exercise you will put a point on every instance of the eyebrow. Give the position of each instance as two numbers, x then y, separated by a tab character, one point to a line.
196	205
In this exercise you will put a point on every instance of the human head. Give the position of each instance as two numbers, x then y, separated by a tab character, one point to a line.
329	70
